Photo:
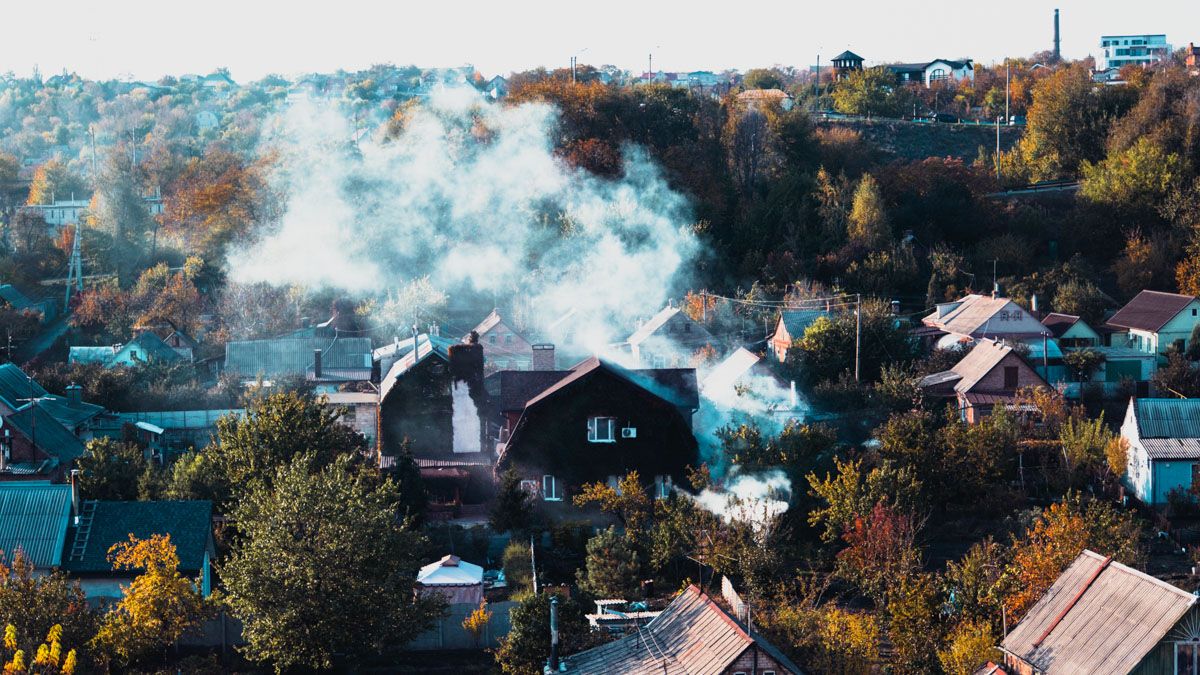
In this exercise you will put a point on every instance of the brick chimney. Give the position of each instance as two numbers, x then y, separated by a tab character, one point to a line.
543	357
74	394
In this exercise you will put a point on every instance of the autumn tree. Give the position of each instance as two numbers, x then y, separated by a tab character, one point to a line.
157	608
851	494
1057	537
219	197
1179	377
974	582
339	528
52	181
866	92
34	604
1133	180
968	645
867	224
47	660
762	78
477	621
627	500
914	621
880	551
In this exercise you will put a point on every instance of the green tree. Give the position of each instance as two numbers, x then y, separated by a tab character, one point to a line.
826	350
54	181
612	568
111	470
1179	377
318	552
851	494
512	510
865	92
913	610
762	78
527	646
1136	178
1083	362
868	222
969	645
157	608
518	566
974	582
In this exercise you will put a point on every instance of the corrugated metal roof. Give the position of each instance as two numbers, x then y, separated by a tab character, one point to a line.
1150	310
1059	323
1113	624
46	432
985	315
14	297
1167	417
34	518
88	354
692	636
979	362
16	385
1172	448
181	419
432	344
294	356
796	321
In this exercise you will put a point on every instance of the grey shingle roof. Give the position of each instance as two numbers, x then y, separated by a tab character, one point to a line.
1097	617
189	524
34	518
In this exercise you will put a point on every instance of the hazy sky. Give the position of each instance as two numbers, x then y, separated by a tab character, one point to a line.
147	39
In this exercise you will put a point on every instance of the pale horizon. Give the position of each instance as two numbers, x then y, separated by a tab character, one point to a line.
142	40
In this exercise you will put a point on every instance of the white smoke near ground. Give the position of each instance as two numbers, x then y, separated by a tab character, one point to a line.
756	499
471	195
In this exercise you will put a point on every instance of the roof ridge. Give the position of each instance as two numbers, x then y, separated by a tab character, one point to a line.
1116	565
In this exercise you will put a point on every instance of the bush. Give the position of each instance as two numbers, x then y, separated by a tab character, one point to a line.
518	568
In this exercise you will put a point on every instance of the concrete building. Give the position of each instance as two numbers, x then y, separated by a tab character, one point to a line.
1124	50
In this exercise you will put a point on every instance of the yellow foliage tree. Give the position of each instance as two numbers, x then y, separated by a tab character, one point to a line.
628	500
477	620
159	606
970	644
48	660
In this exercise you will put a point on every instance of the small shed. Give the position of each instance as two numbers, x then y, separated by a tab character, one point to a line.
456	580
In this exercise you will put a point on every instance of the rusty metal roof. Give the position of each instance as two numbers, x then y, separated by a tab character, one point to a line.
1150	310
34	518
1097	617
1167	417
692	636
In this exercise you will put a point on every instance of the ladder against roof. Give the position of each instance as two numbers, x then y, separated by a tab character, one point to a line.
79	547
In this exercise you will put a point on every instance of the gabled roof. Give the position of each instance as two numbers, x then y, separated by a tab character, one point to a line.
516	387
982	315
70	414
34	518
1059	323
1098	617
726	374
450	571
691	636
293	356
979	362
34	422
150	347
438	347
189	524
676	386
1166	417
847	55
796	321
651	325
489	322
1150	310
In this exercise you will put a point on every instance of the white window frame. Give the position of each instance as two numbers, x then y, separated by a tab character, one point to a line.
595	425
550	490
530	487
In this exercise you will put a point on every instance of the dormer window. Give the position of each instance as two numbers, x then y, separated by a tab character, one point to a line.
602	430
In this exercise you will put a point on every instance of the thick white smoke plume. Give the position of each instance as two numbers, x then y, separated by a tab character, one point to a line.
472	195
750	498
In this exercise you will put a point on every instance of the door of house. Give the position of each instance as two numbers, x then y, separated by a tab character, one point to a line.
1187	657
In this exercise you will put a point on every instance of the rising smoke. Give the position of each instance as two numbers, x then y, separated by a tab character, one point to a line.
472	195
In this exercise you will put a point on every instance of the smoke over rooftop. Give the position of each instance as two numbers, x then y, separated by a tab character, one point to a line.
472	195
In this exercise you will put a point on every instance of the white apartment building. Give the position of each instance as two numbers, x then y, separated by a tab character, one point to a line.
1122	50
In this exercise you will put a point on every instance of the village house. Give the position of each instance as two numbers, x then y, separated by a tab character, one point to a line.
692	635
46	308
361	412
1164	447
33	444
1123	368
932	72
595	422
1100	616
845	63
433	404
503	347
790	327
165	433
669	339
974	317
325	361
57	531
744	381
989	375
1153	321
754	98
145	347
18	389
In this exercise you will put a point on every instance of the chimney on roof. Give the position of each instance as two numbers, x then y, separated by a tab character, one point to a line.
316	364
305	322
1033	305
74	394
75	496
543	357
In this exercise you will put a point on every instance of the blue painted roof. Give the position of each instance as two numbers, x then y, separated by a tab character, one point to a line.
34	517
1167	417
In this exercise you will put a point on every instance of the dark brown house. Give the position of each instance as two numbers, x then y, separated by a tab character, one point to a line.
595	422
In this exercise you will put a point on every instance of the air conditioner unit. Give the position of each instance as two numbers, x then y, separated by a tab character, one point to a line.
629	432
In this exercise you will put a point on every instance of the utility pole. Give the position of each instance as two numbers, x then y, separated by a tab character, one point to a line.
650	66
1007	89
572	70
704	306
817	84
533	564
857	335
997	148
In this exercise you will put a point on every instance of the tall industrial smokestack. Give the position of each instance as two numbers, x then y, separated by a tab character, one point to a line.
1057	38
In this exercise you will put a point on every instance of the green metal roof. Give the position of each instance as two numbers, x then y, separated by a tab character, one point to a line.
294	356
148	347
34	518
189	525
16	385
1167	417
47	433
